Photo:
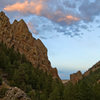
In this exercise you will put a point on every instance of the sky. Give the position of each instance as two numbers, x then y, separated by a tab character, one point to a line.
70	29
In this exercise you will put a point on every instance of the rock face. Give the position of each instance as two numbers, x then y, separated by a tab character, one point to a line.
15	93
92	69
17	36
74	78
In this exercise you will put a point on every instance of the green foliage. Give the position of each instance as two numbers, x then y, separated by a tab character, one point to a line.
55	95
2	92
36	83
96	90
39	85
85	89
69	92
0	81
93	77
32	94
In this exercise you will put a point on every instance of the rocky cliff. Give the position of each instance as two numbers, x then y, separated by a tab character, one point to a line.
92	69
74	78
17	36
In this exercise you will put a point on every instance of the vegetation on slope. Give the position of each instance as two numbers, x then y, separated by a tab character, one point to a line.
19	72
86	89
39	85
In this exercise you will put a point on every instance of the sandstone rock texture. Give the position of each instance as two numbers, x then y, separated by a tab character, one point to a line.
74	78
17	35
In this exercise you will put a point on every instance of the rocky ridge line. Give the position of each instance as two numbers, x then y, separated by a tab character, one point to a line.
17	36
75	77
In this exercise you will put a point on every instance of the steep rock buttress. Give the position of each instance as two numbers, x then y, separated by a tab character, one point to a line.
17	35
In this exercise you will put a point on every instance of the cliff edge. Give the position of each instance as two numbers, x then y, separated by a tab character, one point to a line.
17	36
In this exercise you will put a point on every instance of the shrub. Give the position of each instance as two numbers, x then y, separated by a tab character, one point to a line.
2	92
0	81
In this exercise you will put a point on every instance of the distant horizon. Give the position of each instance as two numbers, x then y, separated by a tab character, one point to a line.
69	29
65	73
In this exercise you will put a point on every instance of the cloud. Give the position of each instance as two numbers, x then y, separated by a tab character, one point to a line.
98	26
84	26
44	38
32	28
89	10
62	75
41	8
67	17
3	3
62	12
69	4
72	18
31	7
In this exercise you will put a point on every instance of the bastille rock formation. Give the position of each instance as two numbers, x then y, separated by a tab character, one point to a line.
17	35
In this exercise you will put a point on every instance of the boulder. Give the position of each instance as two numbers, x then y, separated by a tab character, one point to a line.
14	93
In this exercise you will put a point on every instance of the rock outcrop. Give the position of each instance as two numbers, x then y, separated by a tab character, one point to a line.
92	69
17	36
74	78
13	93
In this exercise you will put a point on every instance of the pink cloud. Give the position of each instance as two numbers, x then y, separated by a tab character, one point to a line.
41	9
31	7
68	19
